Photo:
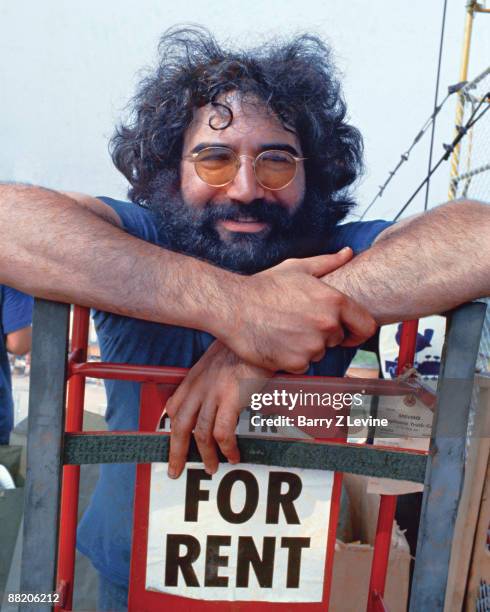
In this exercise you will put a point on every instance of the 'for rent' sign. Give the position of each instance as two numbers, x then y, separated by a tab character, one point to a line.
249	532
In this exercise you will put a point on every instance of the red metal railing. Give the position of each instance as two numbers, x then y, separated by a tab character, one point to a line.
79	369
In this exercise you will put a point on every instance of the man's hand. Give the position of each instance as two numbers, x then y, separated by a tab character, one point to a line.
289	317
208	400
208	403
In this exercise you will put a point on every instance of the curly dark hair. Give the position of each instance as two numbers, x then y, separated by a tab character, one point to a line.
295	79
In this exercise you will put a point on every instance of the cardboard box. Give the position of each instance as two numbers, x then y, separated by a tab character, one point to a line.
352	561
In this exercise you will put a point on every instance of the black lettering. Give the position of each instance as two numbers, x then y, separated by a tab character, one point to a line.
193	493
175	560
294	546
214	561
276	499
248	556
251	496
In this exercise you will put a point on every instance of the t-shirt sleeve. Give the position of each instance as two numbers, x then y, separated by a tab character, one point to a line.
16	310
358	235
136	220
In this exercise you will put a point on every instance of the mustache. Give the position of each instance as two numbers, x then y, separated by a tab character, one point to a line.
258	210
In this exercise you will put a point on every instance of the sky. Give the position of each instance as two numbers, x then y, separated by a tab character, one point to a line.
67	71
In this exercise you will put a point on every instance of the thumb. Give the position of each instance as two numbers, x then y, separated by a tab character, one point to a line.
324	264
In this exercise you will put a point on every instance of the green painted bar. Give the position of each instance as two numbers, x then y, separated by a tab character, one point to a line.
148	448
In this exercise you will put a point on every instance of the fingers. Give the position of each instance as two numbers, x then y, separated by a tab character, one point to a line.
207	402
210	426
183	390
182	424
321	264
335	337
224	433
299	370
358	324
317	357
203	434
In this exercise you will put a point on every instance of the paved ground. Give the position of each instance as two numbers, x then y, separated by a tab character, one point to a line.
94	397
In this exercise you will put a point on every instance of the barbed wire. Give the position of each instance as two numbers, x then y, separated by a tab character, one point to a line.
464	88
449	148
405	156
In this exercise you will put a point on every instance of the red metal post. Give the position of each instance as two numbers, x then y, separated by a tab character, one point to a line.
71	473
387	507
408	342
379	604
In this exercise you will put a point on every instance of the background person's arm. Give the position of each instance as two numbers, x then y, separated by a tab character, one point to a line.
424	265
19	341
16	319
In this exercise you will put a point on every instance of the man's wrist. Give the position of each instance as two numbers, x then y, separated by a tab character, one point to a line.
225	319
216	303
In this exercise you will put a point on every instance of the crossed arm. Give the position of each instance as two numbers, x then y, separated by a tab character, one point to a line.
422	266
281	319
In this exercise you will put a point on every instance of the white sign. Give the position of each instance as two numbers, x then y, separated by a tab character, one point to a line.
247	533
428	348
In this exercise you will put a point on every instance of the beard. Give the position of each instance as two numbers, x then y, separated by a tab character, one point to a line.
192	230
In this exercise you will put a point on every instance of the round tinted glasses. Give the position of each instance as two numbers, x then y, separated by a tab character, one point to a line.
218	166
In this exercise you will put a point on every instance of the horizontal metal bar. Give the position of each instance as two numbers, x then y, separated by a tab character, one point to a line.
122	371
174	376
153	447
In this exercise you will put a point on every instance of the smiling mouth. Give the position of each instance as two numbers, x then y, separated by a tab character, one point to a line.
244	224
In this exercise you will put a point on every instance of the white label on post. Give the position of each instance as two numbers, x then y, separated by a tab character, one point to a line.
409	427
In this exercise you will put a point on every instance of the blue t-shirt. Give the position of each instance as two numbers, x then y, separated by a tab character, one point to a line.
104	534
16	313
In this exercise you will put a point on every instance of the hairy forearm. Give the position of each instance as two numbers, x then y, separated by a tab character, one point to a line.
52	247
433	263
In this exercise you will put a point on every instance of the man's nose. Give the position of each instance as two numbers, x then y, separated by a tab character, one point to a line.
244	188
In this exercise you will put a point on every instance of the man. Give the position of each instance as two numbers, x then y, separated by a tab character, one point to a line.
15	338
242	160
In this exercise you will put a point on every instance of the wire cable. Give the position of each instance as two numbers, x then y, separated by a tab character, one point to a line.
431	148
